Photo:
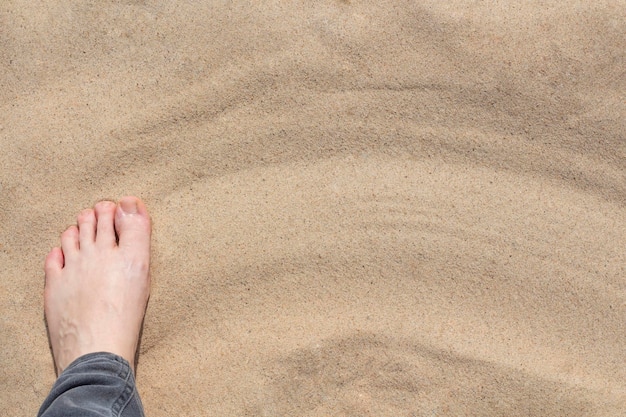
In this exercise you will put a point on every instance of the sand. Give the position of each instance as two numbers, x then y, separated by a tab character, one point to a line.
361	208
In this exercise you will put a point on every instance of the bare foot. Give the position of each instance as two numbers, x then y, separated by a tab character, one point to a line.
97	283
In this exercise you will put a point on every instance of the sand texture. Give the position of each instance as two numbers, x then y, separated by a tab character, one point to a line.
361	208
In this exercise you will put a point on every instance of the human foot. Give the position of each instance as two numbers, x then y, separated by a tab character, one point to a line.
98	284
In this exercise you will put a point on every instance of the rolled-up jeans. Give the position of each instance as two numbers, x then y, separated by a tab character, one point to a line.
97	384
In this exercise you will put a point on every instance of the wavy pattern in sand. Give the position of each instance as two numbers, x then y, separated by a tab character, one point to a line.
360	208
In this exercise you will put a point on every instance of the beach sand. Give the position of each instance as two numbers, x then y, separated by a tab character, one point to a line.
360	208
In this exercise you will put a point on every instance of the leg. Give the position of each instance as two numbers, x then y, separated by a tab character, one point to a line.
96	292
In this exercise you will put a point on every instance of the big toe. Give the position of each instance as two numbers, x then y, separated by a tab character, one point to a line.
132	224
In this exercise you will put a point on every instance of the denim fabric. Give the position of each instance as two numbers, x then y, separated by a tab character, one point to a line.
94	385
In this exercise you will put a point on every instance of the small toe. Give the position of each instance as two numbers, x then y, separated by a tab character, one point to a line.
132	223
105	230
86	228
54	263
69	241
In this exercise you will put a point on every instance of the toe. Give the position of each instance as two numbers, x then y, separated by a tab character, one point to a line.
86	228
54	263
105	231
69	241
132	224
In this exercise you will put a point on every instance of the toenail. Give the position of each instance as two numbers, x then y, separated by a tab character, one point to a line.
129	205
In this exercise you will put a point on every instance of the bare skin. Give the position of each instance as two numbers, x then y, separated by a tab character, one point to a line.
98	283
